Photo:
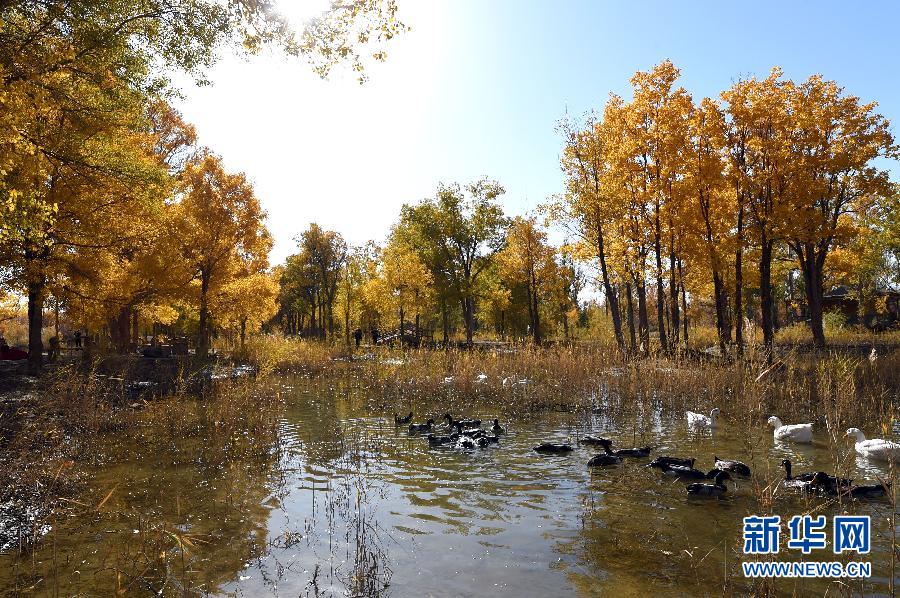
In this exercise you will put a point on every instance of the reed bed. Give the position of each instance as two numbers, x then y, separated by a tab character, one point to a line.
834	389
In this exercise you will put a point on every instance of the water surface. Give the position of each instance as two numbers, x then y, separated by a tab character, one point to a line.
346	502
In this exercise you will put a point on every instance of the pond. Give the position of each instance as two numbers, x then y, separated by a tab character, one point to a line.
345	502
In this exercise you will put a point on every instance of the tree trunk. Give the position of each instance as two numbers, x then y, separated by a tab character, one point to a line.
814	297
611	299
35	324
468	318
123	330
533	323
643	320
811	262
629	301
202	329
401	326
660	297
721	307
775	323
418	340
673	300
243	332
739	285
765	291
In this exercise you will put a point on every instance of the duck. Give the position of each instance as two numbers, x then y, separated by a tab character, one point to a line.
868	490
816	481
426	427
638	452
470	432
399	421
441	440
789	475
497	428
466	423
549	448
717	488
698	420
680	471
592	440
822	479
875	448
491	439
466	443
793	432
604	460
663	461
732	466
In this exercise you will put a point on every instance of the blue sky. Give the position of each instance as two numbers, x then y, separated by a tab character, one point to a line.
477	87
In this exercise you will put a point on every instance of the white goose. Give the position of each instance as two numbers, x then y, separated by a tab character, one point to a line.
876	448
793	432
698	420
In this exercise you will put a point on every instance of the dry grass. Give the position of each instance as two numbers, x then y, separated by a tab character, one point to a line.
271	353
837	335
835	389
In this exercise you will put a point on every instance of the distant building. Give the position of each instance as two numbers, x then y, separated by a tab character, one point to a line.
845	300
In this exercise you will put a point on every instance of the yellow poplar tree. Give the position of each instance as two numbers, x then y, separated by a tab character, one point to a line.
245	303
711	206
834	140
528	260
657	121
590	206
404	283
221	232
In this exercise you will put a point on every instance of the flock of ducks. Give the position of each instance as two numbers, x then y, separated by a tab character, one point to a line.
469	434
679	467
465	434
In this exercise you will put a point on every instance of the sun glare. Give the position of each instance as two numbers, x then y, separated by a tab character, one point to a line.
300	12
